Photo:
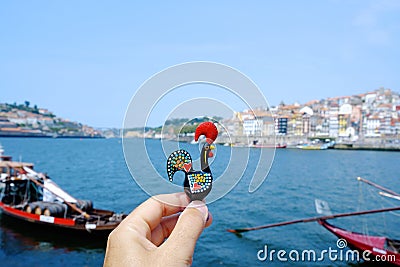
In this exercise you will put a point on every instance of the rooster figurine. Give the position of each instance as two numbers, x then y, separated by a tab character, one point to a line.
197	184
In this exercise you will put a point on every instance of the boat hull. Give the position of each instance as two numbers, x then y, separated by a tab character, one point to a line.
312	147
376	245
55	225
271	146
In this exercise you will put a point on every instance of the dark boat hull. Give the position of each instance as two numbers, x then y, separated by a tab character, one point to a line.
270	146
67	228
376	245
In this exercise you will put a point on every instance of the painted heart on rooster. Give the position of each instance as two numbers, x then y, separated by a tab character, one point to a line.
187	166
196	186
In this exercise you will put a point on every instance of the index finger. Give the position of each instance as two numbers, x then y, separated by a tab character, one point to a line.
148	215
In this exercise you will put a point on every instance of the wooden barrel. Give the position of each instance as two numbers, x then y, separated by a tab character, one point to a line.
54	209
85	205
30	207
39	207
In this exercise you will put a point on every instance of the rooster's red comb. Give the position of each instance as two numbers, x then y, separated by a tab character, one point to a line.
208	129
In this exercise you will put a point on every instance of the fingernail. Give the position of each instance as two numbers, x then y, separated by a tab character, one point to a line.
200	206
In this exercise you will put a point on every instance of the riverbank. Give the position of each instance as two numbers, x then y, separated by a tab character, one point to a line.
26	121
366	147
42	135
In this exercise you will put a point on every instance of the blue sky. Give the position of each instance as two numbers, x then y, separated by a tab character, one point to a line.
84	60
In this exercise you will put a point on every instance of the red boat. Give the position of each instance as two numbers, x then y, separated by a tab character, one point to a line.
32	199
387	250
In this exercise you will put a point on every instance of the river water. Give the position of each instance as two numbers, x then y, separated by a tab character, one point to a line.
96	169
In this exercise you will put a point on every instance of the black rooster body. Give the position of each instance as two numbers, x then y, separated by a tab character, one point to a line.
197	184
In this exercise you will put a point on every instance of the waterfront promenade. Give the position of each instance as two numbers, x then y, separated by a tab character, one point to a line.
384	144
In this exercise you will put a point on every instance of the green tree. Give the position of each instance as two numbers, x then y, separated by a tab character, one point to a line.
35	109
188	129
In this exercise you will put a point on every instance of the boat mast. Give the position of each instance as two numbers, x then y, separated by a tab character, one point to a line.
378	186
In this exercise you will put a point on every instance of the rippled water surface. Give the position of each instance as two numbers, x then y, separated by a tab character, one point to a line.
95	169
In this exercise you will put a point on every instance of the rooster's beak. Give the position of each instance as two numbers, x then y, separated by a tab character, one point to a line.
212	147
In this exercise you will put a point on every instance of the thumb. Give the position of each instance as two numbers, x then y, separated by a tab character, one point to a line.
190	225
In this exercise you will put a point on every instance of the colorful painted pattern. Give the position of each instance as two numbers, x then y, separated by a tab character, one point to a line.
199	181
179	160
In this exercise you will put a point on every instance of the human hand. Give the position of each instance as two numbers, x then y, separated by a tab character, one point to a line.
139	239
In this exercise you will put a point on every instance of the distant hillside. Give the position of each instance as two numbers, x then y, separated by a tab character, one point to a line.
24	120
171	128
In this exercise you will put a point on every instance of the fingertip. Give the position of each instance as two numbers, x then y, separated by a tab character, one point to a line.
200	206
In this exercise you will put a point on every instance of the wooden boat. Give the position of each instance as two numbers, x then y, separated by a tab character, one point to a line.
33	199
271	146
378	246
256	144
313	146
